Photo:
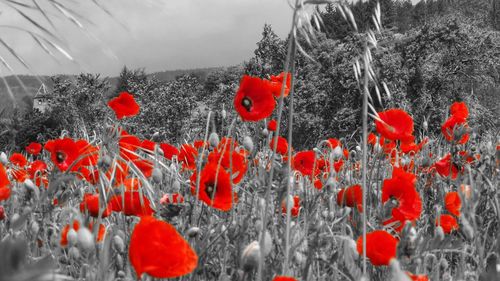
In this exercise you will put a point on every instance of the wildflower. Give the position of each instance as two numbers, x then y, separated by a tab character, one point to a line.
215	187
65	231
415	277
187	156
272	125
34	148
448	223
453	203
131	203
294	203
4	184
169	151
156	248
303	162
174	198
90	204
402	188
396	125
281	147
148	146
284	278
351	197
445	167
128	145
455	128
254	100
66	153
381	247
460	110
124	105
18	159
145	166
236	163
276	83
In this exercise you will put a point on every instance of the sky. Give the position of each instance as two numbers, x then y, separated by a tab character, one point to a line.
156	35
153	34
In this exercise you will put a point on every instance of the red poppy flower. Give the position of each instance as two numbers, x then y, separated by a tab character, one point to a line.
4	184
124	105
414	277
169	151
145	166
455	124
90	175
351	197
148	146
118	172
66	152
276	83
402	188
303	162
215	187
460	110
453	203
128	146
132	184
100	233
381	247
272	125
239	163
397	125
157	249
254	100
34	148
338	165
284	278
90	204
294	212
448	223
445	166
132	203
282	145
174	198
199	144
37	166
372	138
18	159
333	143
187	156
65	230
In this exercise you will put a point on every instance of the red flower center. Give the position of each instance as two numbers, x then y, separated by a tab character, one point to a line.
60	157
247	103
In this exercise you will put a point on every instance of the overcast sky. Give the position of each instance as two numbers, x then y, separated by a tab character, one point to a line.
159	34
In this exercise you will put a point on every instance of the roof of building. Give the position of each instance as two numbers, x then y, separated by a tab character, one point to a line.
42	92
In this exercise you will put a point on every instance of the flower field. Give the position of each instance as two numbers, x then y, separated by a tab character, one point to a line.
240	200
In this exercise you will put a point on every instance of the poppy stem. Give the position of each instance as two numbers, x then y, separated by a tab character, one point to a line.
365	150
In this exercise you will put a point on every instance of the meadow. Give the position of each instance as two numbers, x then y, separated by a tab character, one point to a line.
258	172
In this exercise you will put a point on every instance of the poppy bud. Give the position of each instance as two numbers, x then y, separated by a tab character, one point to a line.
268	243
397	273
466	228
3	158
176	186
34	227
213	139
85	238
251	256
155	137
193	232
2	213
265	132
121	274
157	175
15	217
425	125
439	233
443	263
377	148
119	261
223	113
337	153
248	143
74	253
118	244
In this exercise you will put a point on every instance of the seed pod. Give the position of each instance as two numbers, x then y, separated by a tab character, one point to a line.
425	125
118	244
121	274
223	113
157	175
268	244
265	132
74	253
466	228
3	158
193	232
85	239
439	233
213	139
119	262
248	143
251	256
176	186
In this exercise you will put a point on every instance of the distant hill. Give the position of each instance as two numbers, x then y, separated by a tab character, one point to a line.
24	87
